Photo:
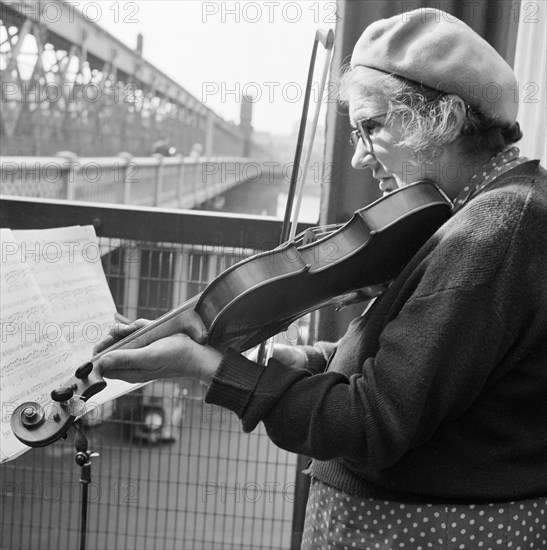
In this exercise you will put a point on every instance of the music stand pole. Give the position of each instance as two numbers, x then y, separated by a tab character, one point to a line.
83	459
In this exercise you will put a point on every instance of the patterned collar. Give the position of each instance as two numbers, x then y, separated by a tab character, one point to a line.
501	163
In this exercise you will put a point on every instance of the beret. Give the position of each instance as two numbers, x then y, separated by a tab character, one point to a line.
436	49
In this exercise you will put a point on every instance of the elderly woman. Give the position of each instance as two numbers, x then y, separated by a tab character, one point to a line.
427	421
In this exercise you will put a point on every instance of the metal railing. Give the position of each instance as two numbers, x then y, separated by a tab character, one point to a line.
177	181
210	486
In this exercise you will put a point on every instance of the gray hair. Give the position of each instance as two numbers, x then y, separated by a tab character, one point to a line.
429	118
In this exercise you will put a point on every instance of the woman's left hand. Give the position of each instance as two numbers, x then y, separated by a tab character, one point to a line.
176	356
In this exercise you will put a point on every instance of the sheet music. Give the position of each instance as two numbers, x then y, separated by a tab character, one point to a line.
56	305
32	362
67	264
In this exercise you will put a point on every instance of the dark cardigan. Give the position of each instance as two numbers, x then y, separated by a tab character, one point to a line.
439	392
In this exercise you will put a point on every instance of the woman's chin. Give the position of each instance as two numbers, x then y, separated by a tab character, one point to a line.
387	186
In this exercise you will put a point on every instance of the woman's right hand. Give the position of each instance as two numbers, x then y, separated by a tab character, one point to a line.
291	356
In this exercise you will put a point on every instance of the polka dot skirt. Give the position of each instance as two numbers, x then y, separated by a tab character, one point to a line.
335	520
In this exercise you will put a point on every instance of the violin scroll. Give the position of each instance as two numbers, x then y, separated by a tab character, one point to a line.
37	426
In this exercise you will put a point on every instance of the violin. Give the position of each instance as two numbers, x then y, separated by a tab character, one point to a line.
262	295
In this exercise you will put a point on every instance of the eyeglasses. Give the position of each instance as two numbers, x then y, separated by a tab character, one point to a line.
364	128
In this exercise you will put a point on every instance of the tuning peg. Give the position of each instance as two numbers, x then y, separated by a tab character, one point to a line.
83	371
32	415
61	395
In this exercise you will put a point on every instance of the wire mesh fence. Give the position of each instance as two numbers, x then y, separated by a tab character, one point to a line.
173	472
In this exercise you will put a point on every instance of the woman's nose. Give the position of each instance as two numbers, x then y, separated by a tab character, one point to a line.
362	157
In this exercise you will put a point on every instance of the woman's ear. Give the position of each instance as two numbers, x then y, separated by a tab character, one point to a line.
459	113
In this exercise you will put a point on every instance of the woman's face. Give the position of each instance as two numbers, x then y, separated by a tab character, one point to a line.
393	165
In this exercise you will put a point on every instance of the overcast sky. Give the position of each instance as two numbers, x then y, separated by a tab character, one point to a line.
218	50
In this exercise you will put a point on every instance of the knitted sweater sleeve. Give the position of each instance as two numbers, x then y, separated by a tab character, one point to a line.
394	404
435	356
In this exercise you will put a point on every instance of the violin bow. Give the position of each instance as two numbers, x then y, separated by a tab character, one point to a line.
326	38
288	229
